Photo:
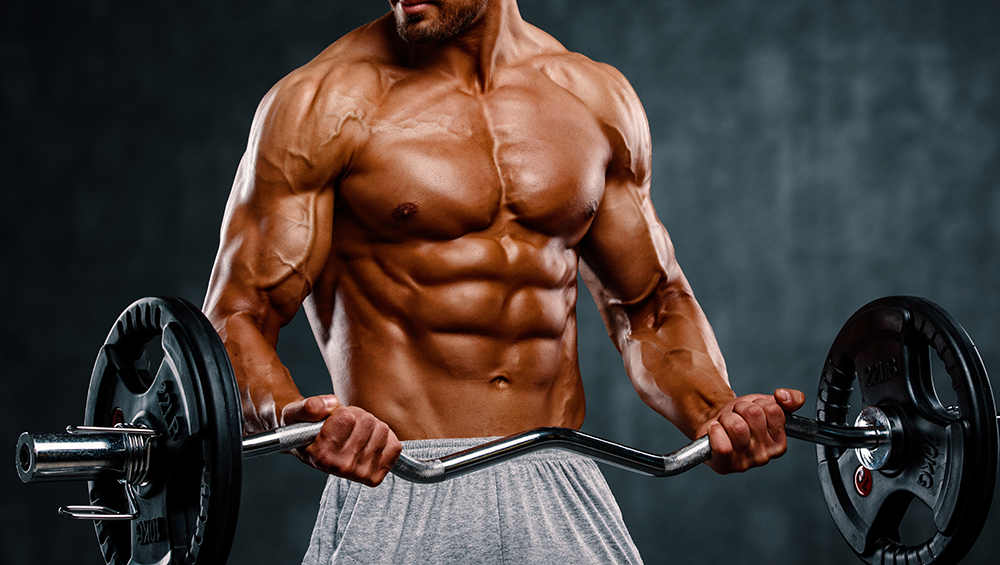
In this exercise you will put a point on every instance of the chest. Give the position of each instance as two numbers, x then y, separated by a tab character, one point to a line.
440	163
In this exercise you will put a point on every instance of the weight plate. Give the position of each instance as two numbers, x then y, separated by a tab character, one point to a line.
190	501
945	457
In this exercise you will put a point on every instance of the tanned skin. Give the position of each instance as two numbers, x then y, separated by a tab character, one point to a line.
428	188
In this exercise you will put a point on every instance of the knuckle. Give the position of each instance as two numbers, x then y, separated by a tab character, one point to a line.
380	476
344	419
394	450
344	466
739	429
722	448
313	406
366	420
779	450
325	454
380	435
326	461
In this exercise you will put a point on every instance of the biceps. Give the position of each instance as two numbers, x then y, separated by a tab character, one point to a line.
627	251
293	242
273	249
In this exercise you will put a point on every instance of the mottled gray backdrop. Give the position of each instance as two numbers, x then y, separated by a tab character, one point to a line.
810	155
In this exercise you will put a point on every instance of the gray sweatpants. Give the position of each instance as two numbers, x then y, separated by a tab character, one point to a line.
543	507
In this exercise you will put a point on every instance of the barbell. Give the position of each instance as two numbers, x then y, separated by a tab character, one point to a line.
167	445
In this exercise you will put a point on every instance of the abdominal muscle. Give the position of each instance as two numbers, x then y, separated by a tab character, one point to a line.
471	337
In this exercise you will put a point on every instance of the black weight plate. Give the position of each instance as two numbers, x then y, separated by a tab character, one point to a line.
190	501
944	456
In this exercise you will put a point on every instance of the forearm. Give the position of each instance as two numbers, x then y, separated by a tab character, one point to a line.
672	356
265	384
258	283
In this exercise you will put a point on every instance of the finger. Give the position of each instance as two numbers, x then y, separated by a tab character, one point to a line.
337	429
312	409
389	453
327	452
790	400
346	455
369	462
755	419
361	433
376	445
319	407
775	419
722	446
393	449
321	453
737	429
362	443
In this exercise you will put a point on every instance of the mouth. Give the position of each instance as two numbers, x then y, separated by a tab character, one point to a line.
414	6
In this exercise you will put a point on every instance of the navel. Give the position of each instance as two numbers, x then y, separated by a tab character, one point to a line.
500	382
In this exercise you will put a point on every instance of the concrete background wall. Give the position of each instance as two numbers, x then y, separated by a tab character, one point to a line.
809	156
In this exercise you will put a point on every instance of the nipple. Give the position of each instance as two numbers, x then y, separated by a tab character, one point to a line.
404	212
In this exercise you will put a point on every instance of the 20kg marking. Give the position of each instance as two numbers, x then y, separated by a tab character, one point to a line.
881	372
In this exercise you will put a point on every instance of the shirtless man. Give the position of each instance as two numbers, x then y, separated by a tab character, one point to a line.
428	188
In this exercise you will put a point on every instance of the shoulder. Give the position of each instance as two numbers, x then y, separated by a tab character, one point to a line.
602	87
612	101
318	112
345	79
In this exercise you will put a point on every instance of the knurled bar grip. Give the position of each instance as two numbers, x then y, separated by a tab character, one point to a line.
285	438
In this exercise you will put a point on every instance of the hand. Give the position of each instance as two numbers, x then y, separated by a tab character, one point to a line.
750	431
352	444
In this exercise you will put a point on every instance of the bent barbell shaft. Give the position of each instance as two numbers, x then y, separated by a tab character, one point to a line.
473	459
53	459
496	451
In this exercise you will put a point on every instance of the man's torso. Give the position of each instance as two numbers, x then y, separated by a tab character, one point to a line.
447	307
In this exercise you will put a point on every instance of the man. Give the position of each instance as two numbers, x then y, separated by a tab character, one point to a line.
428	188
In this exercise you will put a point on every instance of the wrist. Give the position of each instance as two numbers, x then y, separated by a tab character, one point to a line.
710	413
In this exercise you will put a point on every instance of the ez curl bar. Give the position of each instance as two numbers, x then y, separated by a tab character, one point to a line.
168	445
124	453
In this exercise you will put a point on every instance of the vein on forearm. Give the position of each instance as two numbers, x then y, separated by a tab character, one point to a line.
672	355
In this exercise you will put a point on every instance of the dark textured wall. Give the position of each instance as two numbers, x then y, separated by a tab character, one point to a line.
809	156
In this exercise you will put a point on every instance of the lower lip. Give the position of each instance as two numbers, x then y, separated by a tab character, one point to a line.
415	8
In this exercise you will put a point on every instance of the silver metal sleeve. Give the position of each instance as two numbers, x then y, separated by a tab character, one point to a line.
72	457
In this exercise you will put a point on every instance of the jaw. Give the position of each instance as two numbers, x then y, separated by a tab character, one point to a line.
431	21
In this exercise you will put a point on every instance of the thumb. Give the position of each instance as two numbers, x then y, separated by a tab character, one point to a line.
311	409
790	400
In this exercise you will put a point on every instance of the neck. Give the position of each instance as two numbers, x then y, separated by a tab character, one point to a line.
477	52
